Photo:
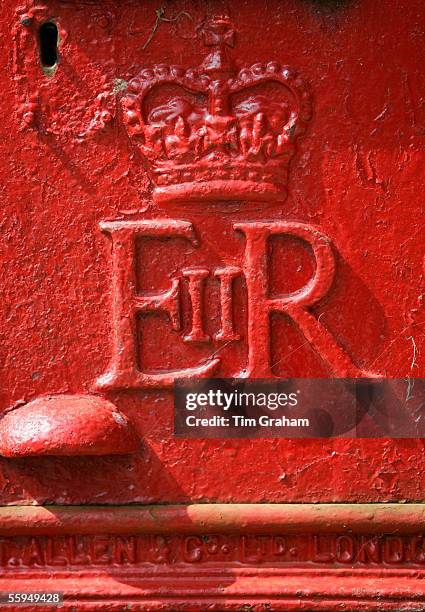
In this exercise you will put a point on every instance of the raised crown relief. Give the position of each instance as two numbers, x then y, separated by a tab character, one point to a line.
215	133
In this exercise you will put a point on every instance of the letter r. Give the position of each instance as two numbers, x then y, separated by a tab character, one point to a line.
295	305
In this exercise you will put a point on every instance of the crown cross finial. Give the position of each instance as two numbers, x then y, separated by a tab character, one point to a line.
218	32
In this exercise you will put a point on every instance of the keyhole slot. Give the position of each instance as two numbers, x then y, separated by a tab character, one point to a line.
48	39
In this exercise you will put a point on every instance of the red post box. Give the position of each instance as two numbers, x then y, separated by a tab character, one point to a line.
207	190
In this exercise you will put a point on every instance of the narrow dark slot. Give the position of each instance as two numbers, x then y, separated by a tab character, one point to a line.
48	37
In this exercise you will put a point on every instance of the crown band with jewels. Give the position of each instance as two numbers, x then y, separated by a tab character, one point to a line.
212	133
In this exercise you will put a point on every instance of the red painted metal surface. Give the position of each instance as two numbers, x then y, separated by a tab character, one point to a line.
355	177
66	425
195	189
218	556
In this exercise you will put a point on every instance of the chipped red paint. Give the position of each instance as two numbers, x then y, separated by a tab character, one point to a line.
355	177
213	190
